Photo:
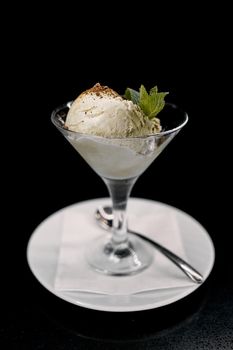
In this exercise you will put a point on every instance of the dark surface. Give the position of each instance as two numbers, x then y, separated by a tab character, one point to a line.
191	174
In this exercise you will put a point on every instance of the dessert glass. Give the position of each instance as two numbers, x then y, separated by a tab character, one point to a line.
119	162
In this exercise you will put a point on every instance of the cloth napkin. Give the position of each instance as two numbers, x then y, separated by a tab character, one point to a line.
79	229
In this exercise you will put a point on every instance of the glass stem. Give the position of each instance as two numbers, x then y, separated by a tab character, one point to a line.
119	191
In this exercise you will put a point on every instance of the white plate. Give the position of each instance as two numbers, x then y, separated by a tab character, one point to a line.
43	250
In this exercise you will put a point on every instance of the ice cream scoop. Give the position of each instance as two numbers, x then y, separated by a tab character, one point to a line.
103	112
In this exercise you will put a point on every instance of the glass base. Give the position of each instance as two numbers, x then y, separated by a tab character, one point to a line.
124	259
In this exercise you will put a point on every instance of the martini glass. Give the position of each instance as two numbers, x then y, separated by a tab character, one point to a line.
119	162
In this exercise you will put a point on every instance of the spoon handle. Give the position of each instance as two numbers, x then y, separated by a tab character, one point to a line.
193	274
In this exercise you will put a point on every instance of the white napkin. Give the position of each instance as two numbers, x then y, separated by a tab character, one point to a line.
75	274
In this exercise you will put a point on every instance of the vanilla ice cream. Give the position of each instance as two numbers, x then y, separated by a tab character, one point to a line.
115	137
103	112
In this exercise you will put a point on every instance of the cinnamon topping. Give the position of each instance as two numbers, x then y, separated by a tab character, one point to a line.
101	90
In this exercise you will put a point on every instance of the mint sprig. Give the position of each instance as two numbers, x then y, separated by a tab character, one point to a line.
151	103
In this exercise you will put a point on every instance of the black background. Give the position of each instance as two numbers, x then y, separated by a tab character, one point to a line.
50	57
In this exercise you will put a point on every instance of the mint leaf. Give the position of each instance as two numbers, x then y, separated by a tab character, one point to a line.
143	94
132	95
151	103
154	90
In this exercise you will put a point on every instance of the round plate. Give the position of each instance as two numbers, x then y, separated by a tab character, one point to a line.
43	251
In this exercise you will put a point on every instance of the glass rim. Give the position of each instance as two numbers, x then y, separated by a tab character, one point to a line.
157	134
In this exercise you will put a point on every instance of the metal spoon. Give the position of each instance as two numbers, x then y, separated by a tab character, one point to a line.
104	216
